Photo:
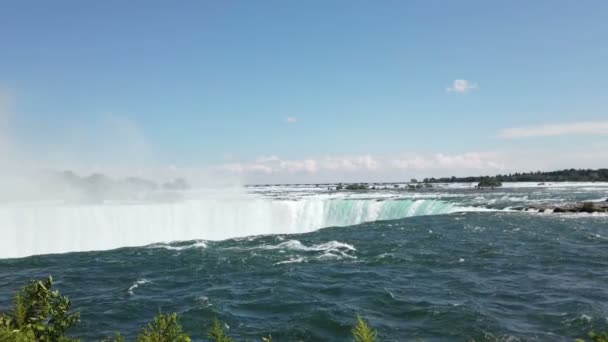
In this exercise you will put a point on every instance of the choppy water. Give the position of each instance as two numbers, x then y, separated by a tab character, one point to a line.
448	277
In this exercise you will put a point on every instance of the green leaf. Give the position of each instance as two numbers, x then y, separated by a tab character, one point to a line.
362	332
217	334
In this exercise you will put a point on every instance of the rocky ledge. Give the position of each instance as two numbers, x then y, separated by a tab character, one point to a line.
586	207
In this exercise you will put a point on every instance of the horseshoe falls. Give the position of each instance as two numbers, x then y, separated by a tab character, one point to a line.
60	228
248	257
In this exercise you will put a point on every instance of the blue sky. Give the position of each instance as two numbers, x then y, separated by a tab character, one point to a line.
307	90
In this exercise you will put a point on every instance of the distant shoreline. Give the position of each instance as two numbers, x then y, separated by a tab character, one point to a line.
560	176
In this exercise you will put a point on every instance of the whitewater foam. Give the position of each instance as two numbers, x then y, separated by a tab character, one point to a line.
298	246
43	229
291	261
197	244
332	250
135	285
332	255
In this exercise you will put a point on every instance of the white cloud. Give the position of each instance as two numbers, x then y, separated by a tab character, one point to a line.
403	166
471	161
574	128
266	159
367	164
461	86
294	166
291	119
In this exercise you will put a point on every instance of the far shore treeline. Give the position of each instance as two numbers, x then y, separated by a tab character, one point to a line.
567	175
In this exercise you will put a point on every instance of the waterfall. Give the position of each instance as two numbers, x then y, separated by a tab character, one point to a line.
59	228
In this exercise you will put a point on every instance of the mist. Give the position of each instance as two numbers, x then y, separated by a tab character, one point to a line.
101	160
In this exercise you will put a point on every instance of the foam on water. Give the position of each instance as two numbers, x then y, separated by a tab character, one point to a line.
541	273
291	261
173	247
55	227
298	246
332	250
43	229
135	285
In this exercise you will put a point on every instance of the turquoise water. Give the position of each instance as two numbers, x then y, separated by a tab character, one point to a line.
441	278
450	264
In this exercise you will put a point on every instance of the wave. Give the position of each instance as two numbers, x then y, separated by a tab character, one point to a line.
298	246
54	228
136	284
175	247
334	250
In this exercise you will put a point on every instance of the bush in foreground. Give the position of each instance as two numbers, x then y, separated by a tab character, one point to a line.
362	332
165	327
594	337
43	315
39	314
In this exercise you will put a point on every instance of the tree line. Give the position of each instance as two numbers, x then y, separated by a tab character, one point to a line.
566	175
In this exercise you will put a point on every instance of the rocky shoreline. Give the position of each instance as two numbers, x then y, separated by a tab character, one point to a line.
585	207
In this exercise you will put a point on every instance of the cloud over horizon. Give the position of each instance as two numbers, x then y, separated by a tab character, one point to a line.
118	145
364	166
400	167
573	128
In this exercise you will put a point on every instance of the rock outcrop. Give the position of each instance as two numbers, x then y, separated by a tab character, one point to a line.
585	207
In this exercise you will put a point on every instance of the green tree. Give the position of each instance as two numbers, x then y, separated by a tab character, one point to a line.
362	332
595	337
217	333
9	335
117	338
489	182
40	313
164	328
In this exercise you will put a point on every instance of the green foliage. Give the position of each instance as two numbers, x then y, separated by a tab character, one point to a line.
9	335
596	337
570	175
117	338
487	182
362	332
352	187
217	334
41	313
355	187
164	328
